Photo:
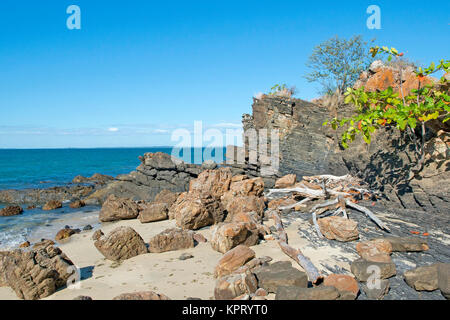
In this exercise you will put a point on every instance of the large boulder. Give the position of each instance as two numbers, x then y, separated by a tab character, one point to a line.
76	204
116	208
407	244
11	211
120	244
237	204
166	196
171	240
280	273
444	279
228	235
339	228
286	181
142	295
37	273
233	260
194	211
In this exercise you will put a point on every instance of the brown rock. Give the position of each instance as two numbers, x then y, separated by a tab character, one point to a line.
342	282
52	205
193	211
26	244
236	204
247	187
423	278
228	235
338	228
233	260
286	181
37	273
11	211
77	204
166	196
444	279
377	250
154	212
43	244
275	203
115	208
120	244
234	285
212	182
171	240
143	295
64	234
280	273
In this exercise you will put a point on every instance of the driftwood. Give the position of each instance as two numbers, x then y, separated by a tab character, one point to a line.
295	254
343	189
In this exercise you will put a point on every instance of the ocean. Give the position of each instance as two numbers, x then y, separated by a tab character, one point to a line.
44	168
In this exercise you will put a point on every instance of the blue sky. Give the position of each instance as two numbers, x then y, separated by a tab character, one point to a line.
137	70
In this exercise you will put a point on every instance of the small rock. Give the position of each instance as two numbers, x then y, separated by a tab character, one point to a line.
422	278
278	274
77	204
11	211
377	250
143	295
407	244
286	181
87	227
233	260
52	205
378	292
64	234
261	292
363	269
199	238
26	244
299	293
338	228
444	279
185	256
82	298
342	282
170	240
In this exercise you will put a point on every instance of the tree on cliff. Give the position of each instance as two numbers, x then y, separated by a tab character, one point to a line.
337	63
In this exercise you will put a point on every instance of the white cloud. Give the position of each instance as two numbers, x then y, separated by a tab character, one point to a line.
113	129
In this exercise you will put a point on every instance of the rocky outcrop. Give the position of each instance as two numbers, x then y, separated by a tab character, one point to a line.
37	273
235	284
171	240
115	208
309	148
96	178
120	244
11	211
42	196
76	204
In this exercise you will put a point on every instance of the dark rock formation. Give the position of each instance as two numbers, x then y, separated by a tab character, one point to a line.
11	211
278	274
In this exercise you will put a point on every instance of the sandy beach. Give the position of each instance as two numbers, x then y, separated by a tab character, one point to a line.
164	272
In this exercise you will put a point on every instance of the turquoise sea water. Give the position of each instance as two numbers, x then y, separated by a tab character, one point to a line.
43	168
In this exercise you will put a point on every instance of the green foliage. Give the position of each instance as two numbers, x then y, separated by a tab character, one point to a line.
337	63
282	90
386	108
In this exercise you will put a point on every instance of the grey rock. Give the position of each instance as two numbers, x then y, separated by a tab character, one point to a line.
422	278
299	293
363	269
376	293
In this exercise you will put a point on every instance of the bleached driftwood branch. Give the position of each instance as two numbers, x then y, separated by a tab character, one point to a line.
295	254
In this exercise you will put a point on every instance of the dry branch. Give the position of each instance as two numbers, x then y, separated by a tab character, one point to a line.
295	254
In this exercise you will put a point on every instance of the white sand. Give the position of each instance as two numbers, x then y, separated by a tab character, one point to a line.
164	272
